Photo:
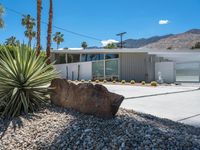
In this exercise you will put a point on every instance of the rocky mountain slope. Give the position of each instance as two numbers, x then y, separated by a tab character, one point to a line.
172	41
184	40
136	43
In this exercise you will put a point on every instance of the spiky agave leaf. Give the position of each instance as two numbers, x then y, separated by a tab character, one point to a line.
23	80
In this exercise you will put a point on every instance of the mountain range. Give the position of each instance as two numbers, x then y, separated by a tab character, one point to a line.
171	41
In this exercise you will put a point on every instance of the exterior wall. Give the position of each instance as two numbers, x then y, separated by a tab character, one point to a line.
85	70
133	66
167	70
150	66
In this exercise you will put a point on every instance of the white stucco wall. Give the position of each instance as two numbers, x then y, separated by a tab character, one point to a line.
85	70
167	71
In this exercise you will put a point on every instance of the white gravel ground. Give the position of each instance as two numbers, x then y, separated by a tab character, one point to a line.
58	128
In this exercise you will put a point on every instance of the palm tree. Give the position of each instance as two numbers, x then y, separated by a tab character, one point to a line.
30	35
29	24
12	41
49	32
39	9
84	45
1	16
58	38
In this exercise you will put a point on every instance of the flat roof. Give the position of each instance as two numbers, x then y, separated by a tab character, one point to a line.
128	50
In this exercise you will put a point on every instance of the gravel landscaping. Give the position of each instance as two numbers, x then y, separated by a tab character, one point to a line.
58	128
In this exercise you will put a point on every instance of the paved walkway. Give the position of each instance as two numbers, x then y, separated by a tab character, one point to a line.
178	103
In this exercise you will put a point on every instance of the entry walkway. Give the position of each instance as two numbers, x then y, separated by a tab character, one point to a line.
178	103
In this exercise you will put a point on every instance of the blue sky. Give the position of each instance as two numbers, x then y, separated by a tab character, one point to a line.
104	18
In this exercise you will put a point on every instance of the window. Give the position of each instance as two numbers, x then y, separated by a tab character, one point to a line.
60	58
111	67
112	56
73	58
98	70
91	57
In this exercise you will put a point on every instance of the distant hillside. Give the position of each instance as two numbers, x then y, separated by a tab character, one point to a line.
172	41
184	40
136	43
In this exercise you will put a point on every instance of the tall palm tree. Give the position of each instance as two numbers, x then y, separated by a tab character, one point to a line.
30	35
39	10
58	38
29	24
1	16
49	32
12	41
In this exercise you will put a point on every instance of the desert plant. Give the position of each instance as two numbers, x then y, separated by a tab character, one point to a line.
24	81
123	81
82	80
132	82
89	81
143	82
113	81
97	81
104	81
154	83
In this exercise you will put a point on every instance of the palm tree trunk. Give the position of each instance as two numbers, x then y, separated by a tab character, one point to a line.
29	42
39	9
49	32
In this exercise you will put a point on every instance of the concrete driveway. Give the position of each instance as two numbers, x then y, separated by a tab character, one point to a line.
178	103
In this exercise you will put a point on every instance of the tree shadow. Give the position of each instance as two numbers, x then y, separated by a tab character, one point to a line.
14	123
128	129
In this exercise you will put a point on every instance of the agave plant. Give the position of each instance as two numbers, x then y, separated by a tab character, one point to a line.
24	80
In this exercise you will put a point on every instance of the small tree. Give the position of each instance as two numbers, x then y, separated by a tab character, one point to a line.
12	41
84	45
111	46
58	38
196	46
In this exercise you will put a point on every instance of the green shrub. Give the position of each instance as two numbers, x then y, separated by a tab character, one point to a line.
82	80
132	82
104	81
154	83
123	81
143	82
24	81
97	81
89	81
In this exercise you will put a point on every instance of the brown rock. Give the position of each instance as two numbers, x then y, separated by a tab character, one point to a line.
85	97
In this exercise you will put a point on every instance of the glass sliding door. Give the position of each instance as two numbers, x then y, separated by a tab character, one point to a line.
187	72
105	69
98	70
112	69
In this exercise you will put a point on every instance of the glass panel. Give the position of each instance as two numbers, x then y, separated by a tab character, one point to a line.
91	57
112	67
60	58
111	70
112	56
98	70
188	72
72	58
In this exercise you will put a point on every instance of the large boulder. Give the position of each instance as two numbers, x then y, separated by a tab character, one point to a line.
85	97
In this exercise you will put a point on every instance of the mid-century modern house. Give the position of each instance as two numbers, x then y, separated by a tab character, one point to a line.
139	64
